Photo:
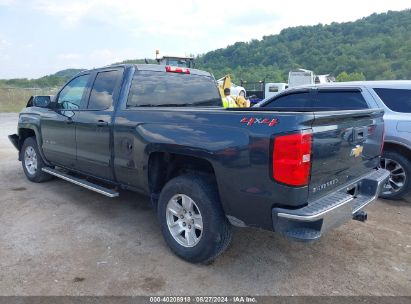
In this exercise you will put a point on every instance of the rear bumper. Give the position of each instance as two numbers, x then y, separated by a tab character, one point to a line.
310	222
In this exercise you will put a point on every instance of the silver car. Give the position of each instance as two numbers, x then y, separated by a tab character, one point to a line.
394	96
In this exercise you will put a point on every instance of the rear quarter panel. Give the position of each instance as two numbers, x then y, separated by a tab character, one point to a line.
240	154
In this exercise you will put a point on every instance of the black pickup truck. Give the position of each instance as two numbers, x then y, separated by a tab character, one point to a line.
162	131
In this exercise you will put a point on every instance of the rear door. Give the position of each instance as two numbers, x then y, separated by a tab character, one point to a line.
139	118
94	125
346	142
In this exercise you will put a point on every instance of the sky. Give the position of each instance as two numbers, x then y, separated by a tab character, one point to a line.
41	37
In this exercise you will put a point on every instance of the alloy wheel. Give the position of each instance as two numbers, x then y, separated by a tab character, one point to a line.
397	177
184	220
30	160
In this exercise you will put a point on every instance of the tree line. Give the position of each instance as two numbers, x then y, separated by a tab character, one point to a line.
377	46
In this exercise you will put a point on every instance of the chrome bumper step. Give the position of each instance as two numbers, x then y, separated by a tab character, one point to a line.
82	182
330	211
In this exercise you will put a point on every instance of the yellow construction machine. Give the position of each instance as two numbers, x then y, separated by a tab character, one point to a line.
240	99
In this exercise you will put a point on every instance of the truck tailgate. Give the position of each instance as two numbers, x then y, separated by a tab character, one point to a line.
346	145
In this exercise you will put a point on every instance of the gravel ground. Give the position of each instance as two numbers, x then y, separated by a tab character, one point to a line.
59	239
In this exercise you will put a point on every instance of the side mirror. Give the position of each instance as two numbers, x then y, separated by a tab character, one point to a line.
42	101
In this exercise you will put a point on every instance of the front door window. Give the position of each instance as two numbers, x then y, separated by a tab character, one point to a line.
71	96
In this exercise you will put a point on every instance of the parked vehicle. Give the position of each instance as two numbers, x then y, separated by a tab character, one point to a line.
392	96
225	82
179	61
257	91
301	77
162	131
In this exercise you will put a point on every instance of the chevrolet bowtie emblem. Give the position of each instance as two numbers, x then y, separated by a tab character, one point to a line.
356	151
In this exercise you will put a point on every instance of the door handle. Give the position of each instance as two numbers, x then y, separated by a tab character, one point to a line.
102	123
69	121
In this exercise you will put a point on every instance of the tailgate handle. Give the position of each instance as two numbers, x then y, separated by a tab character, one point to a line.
358	134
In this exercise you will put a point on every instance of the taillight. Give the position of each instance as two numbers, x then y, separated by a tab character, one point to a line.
173	69
292	159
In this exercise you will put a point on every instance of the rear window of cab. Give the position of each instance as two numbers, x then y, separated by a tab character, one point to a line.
156	89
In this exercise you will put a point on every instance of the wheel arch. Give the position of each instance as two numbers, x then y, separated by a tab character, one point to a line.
398	147
163	166
24	133
30	131
401	154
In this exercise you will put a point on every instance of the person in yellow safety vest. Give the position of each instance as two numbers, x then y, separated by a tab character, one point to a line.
228	100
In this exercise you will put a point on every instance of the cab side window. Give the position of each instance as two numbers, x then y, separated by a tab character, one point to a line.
398	100
105	87
293	100
340	100
72	94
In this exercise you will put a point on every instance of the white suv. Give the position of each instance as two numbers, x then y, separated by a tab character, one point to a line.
395	98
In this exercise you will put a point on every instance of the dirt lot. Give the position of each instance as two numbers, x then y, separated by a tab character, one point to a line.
59	239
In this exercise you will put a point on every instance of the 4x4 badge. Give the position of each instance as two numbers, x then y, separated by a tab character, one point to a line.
250	121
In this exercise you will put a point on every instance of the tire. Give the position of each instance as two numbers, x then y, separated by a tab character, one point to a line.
215	234
399	183
32	161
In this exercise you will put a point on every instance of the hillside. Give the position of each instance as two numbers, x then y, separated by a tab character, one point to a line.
68	72
379	46
49	81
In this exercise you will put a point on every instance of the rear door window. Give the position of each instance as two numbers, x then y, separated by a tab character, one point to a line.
150	88
340	100
104	89
398	100
293	100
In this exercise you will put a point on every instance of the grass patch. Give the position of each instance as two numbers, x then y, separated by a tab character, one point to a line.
15	99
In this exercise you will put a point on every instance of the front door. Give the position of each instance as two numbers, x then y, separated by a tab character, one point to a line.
94	125
58	125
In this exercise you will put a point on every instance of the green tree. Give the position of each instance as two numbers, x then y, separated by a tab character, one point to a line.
344	76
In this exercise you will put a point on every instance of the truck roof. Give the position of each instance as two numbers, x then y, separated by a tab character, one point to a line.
176	56
149	67
161	68
364	83
377	83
